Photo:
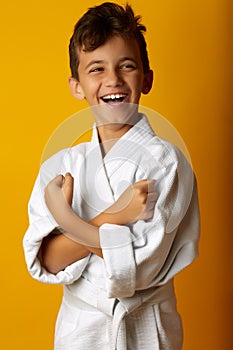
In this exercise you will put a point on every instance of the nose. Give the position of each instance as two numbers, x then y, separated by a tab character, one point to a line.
113	78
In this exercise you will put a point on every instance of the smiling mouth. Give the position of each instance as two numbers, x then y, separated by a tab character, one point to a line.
113	98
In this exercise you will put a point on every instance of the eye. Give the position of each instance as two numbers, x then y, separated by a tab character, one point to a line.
128	67
96	69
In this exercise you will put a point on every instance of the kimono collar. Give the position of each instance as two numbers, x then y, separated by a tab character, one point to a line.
140	134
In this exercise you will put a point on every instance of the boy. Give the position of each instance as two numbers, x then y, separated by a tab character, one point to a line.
99	228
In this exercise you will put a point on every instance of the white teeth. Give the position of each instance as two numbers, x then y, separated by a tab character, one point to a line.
113	96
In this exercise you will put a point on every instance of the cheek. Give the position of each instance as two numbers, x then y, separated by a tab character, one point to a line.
138	83
92	86
138	88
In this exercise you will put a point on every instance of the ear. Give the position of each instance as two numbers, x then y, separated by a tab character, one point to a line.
76	89
147	82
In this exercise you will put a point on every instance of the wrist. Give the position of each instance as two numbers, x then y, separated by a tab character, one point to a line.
108	217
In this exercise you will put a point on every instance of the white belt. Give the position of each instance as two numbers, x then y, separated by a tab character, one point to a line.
92	296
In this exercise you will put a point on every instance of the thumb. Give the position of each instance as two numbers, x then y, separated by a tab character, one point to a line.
68	180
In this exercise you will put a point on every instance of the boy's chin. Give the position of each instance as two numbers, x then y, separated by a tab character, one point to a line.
122	113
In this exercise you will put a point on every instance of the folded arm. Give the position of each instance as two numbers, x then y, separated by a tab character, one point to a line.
150	253
82	238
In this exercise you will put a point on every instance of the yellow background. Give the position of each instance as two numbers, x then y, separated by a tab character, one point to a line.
190	51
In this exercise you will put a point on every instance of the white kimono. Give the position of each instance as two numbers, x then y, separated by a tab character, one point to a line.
126	300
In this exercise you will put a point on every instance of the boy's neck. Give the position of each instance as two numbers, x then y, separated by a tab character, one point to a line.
109	134
112	131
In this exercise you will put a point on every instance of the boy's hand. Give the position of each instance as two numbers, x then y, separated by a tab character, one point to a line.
60	183
67	187
59	192
136	202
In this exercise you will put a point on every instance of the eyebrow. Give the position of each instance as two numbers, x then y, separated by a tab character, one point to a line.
123	59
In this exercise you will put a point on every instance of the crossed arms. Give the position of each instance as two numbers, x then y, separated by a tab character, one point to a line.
81	237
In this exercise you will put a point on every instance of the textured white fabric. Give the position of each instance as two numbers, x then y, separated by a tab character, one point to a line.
136	257
120	316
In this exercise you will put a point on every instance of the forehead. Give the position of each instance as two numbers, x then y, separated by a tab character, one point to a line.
113	49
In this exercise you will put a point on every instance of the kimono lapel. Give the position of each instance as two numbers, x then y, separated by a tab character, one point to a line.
104	179
123	163
128	145
95	188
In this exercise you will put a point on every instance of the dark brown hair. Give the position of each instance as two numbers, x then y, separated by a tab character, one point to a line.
99	24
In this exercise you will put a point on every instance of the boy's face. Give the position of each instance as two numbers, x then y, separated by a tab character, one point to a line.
112	74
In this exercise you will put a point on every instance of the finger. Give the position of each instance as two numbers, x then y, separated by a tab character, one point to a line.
67	188
151	197
68	179
148	215
68	175
151	185
150	205
57	181
146	185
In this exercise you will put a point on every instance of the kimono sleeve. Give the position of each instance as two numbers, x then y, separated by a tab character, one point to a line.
150	253
41	223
